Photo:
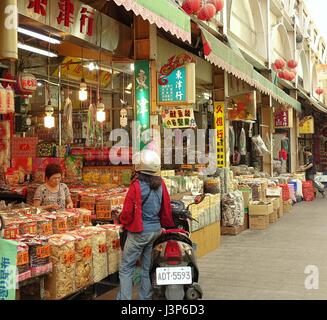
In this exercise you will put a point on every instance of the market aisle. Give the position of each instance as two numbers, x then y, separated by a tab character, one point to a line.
270	264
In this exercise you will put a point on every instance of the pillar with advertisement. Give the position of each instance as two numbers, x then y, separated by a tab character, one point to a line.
220	133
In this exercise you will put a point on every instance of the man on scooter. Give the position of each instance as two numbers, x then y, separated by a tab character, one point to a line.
146	210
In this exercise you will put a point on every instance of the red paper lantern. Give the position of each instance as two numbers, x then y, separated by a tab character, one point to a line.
292	75
279	64
219	4
292	64
191	6
281	75
207	12
287	75
319	91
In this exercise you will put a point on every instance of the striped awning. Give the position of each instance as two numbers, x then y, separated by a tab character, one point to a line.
227	59
164	13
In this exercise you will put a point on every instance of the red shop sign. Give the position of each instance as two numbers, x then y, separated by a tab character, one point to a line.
26	83
281	119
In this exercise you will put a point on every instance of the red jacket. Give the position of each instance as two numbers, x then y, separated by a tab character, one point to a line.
131	216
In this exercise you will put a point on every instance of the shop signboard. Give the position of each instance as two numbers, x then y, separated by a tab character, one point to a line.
143	94
74	18
178	118
71	68
8	269
283	118
176	83
306	125
220	133
243	107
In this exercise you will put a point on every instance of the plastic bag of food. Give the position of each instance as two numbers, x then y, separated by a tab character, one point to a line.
233	209
61	282
259	144
99	251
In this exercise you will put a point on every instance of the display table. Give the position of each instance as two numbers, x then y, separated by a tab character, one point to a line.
206	239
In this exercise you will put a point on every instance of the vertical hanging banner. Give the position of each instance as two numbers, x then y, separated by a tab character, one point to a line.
220	133
8	270
142	95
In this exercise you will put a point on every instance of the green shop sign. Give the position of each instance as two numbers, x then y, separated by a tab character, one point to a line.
142	94
175	89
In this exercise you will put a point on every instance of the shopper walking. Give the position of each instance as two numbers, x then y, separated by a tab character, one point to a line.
146	209
310	170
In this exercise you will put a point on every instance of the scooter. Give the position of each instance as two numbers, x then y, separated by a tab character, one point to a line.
174	274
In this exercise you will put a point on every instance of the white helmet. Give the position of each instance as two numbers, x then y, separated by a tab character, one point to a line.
147	162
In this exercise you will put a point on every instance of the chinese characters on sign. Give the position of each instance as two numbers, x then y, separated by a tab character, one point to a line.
306	125
66	13
142	94
282	119
175	89
8	270
178	118
220	132
39	6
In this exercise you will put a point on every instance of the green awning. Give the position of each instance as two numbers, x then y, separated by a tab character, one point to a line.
227	59
164	13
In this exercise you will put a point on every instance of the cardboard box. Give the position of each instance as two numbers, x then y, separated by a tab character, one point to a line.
276	202
274	192
273	217
247	197
255	208
259	222
231	230
287	206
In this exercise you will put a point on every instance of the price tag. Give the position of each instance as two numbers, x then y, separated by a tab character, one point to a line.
61	225
69	257
87	253
46	229
43	252
22	258
103	248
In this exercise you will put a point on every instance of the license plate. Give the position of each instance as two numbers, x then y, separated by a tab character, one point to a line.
174	275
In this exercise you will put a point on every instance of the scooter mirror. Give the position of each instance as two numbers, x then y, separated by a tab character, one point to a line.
198	199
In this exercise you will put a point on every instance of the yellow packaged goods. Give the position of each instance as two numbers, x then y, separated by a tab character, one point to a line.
99	251
113	242
84	268
258	222
260	208
61	282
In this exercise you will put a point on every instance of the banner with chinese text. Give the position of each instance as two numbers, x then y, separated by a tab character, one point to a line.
178	118
283	118
306	125
8	262
220	133
180	88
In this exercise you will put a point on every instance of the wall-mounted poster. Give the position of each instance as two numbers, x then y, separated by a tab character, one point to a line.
242	107
178	118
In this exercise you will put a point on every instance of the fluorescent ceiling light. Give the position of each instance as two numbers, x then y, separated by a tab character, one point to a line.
38	36
36	50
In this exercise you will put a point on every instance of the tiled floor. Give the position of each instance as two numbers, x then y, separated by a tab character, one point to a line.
271	264
268	264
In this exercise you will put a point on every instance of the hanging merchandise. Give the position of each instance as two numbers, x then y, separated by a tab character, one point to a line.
90	135
3	104
259	144
285	144
68	134
243	143
231	140
251	130
10	101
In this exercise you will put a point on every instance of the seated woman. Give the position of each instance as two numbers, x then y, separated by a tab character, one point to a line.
53	195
